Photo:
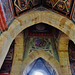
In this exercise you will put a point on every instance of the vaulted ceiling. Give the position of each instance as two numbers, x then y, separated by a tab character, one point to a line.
12	8
60	6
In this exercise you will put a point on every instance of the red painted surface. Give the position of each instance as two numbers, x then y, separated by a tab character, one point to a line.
3	24
40	34
4	74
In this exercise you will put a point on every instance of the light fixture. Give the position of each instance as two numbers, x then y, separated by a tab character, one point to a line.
38	73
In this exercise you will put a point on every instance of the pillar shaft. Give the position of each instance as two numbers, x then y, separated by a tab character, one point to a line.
63	54
18	55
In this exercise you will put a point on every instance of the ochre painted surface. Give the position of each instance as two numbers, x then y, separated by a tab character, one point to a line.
18	55
63	54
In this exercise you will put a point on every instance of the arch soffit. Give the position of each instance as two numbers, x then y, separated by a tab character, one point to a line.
29	19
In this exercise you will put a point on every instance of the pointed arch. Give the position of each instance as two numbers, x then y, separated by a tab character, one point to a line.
46	56
29	19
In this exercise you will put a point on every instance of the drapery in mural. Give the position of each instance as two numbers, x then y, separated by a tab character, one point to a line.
7	9
3	24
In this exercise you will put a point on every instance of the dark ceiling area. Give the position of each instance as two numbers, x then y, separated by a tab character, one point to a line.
62	7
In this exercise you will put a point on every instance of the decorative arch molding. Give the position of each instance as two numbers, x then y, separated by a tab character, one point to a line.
46	56
29	19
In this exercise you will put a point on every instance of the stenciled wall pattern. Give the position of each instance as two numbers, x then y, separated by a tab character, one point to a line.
22	5
59	6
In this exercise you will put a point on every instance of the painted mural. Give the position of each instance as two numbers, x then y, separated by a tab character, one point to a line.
62	6
7	9
41	36
21	5
38	43
3	25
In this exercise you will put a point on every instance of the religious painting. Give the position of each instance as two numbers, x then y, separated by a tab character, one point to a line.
7	9
3	24
40	43
37	43
73	13
22	5
73	68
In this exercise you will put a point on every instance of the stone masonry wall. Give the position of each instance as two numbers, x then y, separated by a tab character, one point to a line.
18	55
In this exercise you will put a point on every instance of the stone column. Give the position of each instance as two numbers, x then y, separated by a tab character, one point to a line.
63	54
18	55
